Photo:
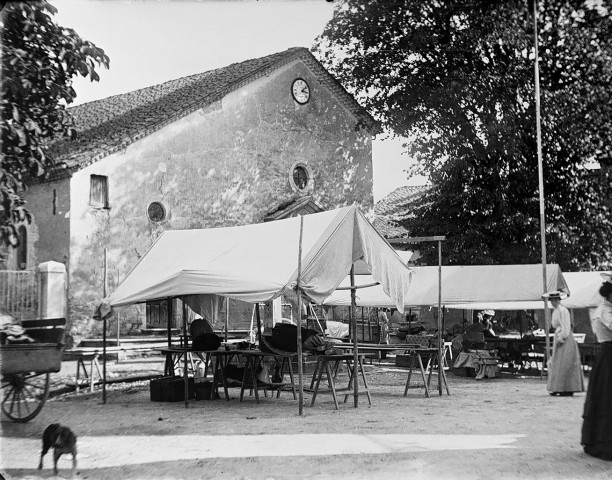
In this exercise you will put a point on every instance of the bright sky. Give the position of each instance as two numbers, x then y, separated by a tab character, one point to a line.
152	41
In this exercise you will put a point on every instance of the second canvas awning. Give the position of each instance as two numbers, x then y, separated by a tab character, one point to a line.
464	285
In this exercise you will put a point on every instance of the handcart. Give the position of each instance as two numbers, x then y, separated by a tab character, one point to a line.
26	368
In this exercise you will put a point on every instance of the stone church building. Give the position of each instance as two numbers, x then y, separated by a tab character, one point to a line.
255	141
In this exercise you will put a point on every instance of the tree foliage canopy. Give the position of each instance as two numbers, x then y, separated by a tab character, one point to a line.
39	61
457	78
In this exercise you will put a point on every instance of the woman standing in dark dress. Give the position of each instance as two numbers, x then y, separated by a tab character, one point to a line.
597	417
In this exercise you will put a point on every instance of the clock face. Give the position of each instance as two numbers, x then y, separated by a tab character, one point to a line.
300	91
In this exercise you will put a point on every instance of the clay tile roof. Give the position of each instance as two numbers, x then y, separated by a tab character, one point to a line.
399	200
111	124
388	228
395	207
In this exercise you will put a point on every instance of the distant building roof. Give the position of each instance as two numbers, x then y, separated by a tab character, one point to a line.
388	228
111	124
395	207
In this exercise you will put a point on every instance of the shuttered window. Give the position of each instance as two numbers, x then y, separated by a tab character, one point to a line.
22	248
98	191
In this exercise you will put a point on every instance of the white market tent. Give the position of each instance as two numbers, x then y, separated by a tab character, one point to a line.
464	287
259	262
583	288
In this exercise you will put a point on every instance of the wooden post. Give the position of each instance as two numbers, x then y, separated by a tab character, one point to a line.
226	316
299	322
104	293
118	320
353	320
185	376
258	315
440	341
409	321
169	314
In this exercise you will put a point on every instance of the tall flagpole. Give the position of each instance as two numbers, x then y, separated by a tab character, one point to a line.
540	176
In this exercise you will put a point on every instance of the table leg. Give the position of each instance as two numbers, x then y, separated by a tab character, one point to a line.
316	380
244	379
94	363
291	377
190	359
409	375
423	375
80	365
176	361
206	361
365	382
349	368
281	373
445	382
168	366
254	378
316	369
330	380
219	368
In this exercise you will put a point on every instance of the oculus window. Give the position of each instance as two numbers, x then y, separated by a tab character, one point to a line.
300	177
156	212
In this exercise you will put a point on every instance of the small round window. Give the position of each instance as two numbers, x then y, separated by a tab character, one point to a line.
300	176
156	212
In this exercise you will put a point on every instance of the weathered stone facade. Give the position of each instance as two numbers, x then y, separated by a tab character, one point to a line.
228	163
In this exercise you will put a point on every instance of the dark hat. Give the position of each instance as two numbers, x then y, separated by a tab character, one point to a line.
557	294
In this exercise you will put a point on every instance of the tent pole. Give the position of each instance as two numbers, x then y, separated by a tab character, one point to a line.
299	322
104	289
258	314
353	321
440	342
540	180
226	316
169	320
118	321
185	376
409	321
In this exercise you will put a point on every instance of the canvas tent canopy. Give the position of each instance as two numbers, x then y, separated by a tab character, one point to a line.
258	262
583	288
464	285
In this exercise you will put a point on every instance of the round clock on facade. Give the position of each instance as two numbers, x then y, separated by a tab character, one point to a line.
300	91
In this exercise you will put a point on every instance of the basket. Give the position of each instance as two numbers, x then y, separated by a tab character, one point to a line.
420	340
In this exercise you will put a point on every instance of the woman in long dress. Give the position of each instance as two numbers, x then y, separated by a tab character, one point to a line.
565	372
597	417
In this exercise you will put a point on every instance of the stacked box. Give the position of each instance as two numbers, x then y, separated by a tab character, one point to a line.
170	389
204	391
405	361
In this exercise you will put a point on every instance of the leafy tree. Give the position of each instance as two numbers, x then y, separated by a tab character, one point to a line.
457	77
39	61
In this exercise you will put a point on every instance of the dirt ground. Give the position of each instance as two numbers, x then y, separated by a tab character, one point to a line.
503	428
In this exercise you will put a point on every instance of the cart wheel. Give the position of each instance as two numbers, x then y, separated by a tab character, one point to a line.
24	394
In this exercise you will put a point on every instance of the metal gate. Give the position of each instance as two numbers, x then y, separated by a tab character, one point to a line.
19	293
